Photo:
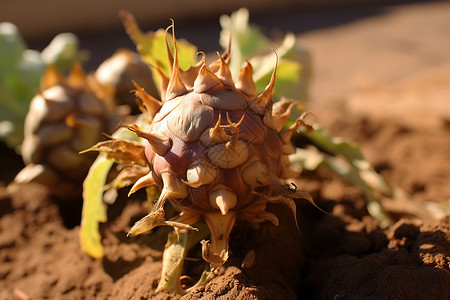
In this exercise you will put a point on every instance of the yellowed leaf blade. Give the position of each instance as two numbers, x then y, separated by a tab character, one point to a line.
153	50
94	210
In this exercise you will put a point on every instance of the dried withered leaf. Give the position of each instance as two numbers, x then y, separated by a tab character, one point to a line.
128	176
121	151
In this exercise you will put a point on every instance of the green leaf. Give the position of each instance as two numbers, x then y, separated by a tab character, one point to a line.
288	84
246	40
346	159
20	73
174	256
353	155
293	70
172	262
63	51
311	159
94	210
12	45
248	43
153	50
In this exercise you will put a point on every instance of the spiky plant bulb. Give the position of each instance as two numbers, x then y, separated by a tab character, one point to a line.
65	117
119	71
217	150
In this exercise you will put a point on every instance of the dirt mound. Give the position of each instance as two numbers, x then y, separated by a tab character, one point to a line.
342	255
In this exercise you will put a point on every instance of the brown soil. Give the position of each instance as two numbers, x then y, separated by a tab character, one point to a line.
340	255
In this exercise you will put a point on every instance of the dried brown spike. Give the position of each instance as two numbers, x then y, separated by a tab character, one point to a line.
219	120
282	199
245	82
173	188
223	73
235	125
163	83
234	131
159	142
188	76
169	52
227	54
286	134
175	86
214	66
51	78
144	181
151	104
206	80
77	77
263	103
281	112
